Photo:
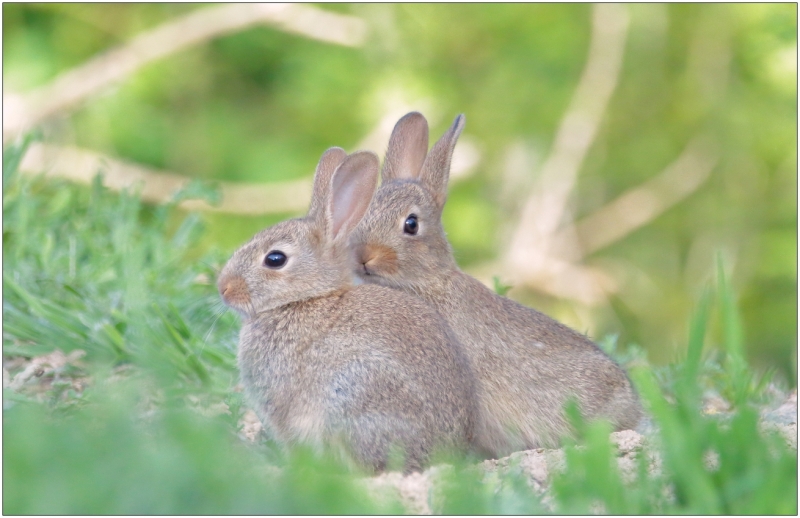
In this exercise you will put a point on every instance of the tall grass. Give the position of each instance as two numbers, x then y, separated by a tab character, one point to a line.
86	269
710	465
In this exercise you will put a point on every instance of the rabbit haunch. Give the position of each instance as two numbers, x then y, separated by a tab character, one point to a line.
528	366
328	363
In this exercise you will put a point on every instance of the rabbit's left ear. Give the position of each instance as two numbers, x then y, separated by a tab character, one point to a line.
320	194
408	146
436	168
352	187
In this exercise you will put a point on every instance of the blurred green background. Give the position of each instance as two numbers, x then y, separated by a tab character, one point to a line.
260	105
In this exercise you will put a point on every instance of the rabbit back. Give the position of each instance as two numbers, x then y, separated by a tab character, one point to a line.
529	366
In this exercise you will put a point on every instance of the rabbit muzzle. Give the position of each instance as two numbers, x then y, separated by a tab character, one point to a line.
233	290
376	260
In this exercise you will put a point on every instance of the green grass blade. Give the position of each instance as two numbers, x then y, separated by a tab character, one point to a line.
733	334
697	334
12	156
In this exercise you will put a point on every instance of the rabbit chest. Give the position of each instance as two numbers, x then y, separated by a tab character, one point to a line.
284	377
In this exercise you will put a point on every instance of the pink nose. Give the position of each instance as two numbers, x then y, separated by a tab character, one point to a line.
233	290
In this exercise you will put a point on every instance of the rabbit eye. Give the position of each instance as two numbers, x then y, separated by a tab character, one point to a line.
411	225
275	259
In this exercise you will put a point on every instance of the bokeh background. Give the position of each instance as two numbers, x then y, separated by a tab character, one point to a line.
655	139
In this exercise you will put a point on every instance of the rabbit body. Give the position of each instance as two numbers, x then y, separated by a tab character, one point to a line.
339	368
527	365
328	363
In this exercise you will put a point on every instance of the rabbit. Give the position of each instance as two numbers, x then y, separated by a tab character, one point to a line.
326	362
527	364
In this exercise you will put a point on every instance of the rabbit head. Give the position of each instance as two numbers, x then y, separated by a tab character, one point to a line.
401	242
303	258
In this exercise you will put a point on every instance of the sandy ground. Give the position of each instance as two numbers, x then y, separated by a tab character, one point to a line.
415	490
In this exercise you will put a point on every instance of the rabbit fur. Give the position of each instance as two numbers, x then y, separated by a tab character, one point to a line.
527	364
326	362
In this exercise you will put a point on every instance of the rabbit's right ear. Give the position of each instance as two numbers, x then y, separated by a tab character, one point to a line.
320	194
436	168
352	187
407	149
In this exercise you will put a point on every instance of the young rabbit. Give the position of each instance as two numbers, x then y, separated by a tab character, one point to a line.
325	362
527	364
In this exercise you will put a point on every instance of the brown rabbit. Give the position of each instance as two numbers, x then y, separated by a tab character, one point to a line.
325	362
527	364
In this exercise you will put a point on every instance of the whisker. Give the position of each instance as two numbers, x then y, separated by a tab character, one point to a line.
218	312
211	266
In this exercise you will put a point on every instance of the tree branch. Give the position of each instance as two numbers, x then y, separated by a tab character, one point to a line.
22	113
638	206
529	257
81	166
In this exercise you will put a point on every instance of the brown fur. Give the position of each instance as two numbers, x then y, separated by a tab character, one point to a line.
324	362
527	364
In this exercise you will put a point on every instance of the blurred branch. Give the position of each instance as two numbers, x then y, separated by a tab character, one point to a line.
631	210
22	113
530	257
547	246
638	206
81	166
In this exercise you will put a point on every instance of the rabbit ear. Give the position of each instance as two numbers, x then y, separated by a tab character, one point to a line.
320	195
436	169
352	187
408	146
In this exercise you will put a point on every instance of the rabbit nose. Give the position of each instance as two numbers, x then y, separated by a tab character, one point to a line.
233	290
362	254
377	258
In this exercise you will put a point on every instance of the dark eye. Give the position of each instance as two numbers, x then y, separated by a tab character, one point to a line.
275	259
411	226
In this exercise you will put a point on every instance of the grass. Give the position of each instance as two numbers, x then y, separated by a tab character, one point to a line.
147	421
